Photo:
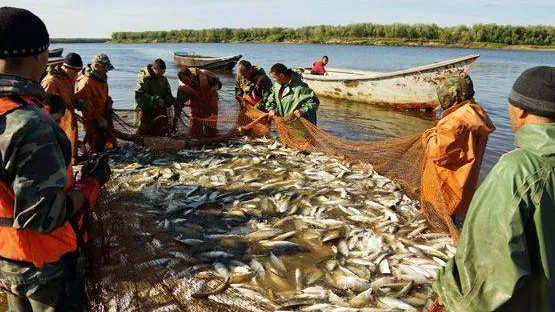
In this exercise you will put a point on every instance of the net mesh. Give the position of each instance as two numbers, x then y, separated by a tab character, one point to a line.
135	266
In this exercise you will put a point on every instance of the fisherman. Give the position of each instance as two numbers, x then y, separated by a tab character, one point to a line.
319	67
199	88
504	258
153	96
253	86
291	95
60	79
41	262
454	150
92	90
55	106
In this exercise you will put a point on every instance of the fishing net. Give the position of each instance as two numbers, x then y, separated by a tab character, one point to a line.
136	266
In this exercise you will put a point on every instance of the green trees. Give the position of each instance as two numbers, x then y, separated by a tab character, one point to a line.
365	32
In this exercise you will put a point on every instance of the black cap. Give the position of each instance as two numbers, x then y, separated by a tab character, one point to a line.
534	91
22	33
73	60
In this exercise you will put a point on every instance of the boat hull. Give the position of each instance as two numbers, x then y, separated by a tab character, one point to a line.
409	89
224	63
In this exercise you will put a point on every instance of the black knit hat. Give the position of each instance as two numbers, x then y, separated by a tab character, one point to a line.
22	33
73	60
534	91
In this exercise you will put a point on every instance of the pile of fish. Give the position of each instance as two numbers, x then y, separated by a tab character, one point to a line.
284	229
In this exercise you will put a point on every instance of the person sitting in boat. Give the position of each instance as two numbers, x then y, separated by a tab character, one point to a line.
453	153
253	86
291	95
199	88
319	67
153	96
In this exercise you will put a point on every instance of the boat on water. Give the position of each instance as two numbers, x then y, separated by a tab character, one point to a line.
55	52
206	62
413	88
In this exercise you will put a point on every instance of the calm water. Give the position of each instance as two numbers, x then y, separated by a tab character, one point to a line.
493	75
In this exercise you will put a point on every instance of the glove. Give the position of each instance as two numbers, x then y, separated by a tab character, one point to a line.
90	188
98	169
102	122
79	105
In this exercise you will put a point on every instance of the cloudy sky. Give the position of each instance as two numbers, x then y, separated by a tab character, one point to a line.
99	18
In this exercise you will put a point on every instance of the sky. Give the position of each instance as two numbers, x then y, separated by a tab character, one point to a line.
99	18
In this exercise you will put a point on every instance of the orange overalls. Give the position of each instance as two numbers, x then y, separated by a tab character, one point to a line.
453	155
203	104
97	104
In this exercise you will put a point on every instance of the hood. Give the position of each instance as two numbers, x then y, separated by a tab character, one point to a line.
55	70
538	139
89	72
14	85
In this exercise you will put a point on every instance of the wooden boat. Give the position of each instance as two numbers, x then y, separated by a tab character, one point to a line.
413	88
55	52
205	62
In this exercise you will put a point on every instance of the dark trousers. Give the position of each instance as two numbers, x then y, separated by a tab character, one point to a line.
58	286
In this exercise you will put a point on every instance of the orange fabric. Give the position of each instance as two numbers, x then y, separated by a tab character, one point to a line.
251	100
95	95
454	150
97	104
26	245
64	87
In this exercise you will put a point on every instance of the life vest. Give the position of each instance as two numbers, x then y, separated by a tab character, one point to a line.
22	244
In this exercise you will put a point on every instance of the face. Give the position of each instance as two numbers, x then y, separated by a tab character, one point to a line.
158	71
325	61
42	59
280	78
243	71
99	68
71	72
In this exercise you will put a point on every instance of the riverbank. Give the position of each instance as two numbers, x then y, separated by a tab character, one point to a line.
368	42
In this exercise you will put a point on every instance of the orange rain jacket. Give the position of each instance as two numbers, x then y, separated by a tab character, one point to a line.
56	81
454	150
93	90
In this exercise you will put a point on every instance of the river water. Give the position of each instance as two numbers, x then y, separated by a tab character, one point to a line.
493	74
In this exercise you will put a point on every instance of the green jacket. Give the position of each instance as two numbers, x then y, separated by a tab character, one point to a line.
296	95
150	89
505	255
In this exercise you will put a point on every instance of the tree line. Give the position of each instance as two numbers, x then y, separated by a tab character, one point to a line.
487	33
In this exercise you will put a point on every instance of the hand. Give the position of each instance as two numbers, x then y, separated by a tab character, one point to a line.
298	113
97	168
102	122
272	113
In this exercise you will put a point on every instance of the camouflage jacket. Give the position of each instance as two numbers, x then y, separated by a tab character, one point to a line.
34	153
150	89
259	85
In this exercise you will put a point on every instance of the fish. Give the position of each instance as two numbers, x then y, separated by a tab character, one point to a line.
285	229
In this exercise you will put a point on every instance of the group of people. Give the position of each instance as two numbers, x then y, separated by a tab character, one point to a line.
503	260
198	89
504	256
